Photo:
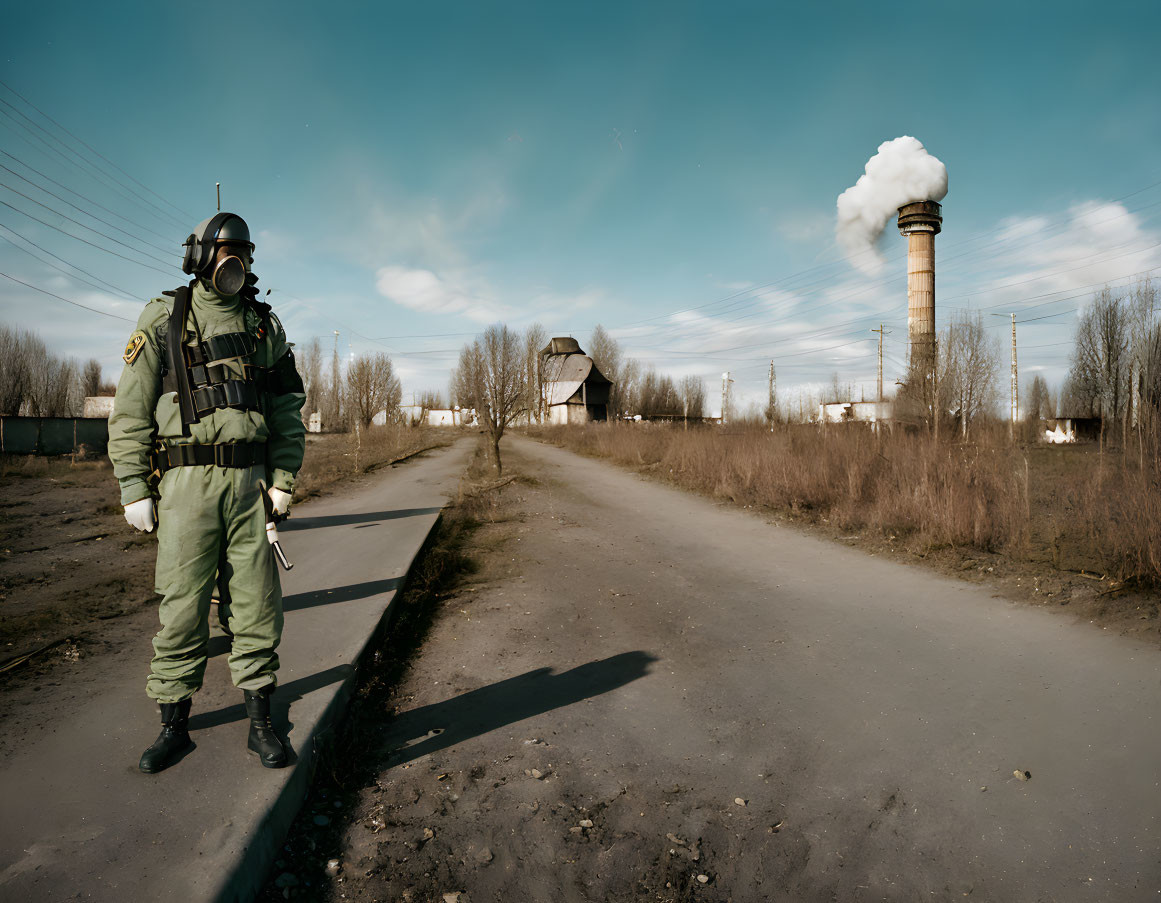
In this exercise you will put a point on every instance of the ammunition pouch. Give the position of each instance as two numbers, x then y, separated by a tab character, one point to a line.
233	393
223	347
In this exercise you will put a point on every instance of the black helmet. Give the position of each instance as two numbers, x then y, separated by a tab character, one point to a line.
221	228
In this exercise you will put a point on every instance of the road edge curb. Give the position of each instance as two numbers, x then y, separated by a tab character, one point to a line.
241	882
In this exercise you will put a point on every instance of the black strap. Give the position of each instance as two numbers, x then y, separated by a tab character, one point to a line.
224	347
239	454
175	347
233	393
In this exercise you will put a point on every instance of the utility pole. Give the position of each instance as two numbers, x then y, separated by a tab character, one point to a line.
1015	383
218	185
335	407
882	332
771	402
725	394
1015	388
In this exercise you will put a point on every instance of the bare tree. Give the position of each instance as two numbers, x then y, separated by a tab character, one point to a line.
429	400
1100	359
623	372
657	396
535	381
372	387
1150	385
91	378
16	348
1038	403
692	393
967	368
490	377
309	360
332	398
35	382
1142	303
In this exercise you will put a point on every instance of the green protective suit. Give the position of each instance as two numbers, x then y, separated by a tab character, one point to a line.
203	507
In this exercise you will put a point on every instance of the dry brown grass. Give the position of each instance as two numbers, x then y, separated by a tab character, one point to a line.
334	457
986	495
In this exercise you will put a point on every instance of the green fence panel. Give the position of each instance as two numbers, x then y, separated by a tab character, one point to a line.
53	435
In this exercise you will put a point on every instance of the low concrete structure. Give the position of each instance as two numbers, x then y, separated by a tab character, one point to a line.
98	406
416	415
1067	430
854	411
575	390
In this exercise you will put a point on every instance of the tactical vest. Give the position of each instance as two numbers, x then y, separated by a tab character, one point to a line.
199	373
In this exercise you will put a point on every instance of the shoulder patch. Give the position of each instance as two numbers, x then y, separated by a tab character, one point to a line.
134	346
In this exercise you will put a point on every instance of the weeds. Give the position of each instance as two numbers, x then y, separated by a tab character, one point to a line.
987	494
332	458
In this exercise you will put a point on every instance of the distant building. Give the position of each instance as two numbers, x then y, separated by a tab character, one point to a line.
575	391
415	415
98	406
314	423
1067	430
854	411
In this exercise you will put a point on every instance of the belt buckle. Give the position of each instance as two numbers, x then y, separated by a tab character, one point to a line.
220	456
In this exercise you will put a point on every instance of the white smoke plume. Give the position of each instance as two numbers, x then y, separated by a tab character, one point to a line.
902	171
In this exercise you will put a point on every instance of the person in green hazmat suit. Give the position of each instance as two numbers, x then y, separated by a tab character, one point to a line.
209	401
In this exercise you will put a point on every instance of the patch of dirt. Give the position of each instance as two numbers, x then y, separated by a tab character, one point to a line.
417	802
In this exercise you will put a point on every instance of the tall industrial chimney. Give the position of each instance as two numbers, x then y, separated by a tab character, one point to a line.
921	222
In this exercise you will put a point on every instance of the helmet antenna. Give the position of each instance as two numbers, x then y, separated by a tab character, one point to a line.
219	186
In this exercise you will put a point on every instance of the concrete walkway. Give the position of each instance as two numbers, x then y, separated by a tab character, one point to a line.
80	822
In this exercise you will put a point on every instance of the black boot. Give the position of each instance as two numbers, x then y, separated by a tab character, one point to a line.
173	739
262	739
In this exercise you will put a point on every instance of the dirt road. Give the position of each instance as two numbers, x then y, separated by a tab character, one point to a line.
646	696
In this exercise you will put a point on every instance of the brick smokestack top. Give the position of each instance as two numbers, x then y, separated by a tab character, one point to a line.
921	222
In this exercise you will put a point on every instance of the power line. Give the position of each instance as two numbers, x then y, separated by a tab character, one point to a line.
92	166
78	194
112	187
144	241
94	150
65	262
86	241
65	216
66	300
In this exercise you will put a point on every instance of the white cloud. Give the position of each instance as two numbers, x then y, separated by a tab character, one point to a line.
1092	244
425	291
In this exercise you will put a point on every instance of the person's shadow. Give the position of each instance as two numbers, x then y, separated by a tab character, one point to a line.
431	728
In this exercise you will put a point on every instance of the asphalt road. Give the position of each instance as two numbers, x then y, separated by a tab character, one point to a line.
789	718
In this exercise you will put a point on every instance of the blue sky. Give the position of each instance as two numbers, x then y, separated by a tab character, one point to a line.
415	172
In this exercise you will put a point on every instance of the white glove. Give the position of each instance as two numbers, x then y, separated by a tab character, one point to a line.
139	514
279	500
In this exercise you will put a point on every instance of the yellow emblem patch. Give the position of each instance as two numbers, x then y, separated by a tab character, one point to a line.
133	348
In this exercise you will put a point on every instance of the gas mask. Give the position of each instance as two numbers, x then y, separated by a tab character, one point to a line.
229	275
